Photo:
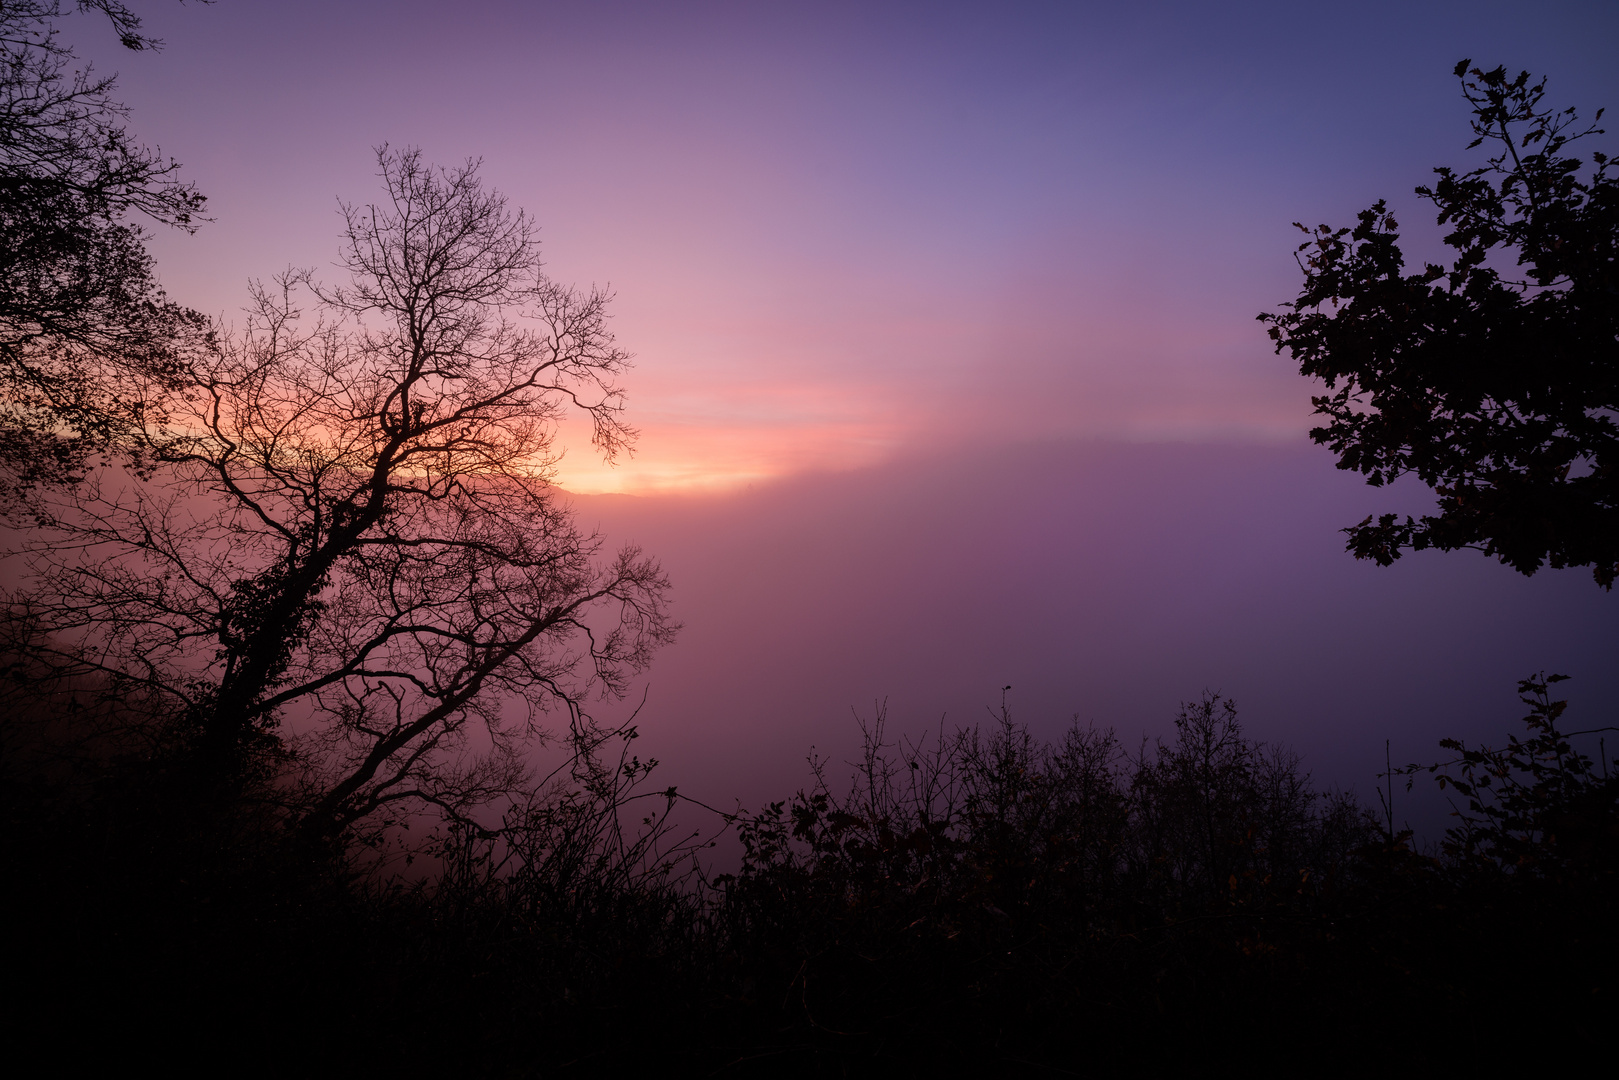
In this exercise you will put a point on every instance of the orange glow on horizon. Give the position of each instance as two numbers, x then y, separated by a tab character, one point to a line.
673	456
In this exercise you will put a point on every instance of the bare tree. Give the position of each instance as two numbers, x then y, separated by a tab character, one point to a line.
331	540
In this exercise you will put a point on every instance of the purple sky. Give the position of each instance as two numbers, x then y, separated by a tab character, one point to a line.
838	232
1108	580
966	294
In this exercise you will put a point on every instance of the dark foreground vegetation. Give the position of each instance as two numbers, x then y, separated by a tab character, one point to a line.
983	900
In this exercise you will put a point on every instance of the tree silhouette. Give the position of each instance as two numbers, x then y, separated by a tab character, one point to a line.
1497	387
343	519
1536	806
78	300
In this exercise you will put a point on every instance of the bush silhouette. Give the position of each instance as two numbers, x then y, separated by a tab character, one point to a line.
977	899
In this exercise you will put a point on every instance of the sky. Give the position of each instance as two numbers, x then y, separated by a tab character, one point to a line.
947	367
839	232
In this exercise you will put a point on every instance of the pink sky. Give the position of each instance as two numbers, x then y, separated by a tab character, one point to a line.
840	232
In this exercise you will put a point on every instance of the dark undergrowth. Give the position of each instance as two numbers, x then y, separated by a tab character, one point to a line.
980	902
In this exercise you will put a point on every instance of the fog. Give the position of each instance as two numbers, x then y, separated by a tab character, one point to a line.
1104	581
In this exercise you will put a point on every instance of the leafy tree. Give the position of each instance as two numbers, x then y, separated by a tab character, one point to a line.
343	519
1494	379
1536	807
78	299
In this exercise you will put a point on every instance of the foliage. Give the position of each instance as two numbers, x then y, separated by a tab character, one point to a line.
998	822
80	307
1536	807
343	516
982	901
985	879
1494	379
